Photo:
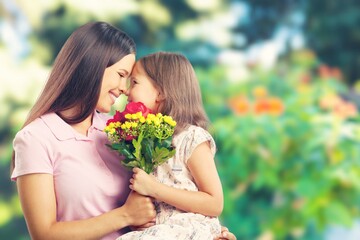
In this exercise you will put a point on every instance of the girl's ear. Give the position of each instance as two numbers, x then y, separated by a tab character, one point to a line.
160	97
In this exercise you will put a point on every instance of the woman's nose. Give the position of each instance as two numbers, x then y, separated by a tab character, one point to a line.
123	86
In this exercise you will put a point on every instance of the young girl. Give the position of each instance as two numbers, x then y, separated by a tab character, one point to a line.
187	187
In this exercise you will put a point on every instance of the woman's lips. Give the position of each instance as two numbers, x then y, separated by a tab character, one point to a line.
113	97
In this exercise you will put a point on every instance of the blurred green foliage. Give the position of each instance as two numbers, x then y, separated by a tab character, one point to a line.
288	150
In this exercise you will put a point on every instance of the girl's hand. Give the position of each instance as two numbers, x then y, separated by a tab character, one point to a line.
225	234
142	182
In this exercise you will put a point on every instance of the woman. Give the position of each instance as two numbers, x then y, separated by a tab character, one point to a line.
70	185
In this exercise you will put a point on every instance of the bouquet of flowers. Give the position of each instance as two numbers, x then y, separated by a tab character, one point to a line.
143	138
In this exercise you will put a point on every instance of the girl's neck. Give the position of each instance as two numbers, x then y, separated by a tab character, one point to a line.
81	127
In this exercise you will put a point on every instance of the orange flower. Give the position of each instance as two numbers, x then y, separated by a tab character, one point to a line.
345	110
240	105
330	101
273	106
261	106
328	72
276	106
336	105
336	73
324	71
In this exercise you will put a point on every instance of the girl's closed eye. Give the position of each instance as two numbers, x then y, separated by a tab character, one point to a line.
133	81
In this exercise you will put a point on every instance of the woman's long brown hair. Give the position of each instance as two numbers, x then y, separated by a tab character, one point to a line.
76	76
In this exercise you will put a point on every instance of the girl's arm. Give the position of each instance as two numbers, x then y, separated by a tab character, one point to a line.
207	201
37	196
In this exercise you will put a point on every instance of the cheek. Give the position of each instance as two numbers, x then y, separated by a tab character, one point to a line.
102	92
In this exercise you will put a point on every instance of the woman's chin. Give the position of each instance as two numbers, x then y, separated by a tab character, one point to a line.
104	109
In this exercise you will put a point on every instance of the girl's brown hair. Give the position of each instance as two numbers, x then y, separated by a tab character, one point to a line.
175	78
76	77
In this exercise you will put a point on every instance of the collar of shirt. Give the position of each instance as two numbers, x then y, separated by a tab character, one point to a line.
63	131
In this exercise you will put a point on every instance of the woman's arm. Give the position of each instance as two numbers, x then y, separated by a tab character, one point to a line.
207	201
37	197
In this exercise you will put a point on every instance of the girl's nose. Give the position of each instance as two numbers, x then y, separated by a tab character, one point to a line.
127	92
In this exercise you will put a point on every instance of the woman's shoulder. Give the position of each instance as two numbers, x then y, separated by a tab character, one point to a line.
38	128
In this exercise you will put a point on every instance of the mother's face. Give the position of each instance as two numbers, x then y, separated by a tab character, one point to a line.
114	82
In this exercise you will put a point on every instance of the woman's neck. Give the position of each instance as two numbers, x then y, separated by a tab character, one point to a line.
81	127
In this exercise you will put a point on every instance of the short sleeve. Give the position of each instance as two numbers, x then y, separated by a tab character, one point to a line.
192	138
31	155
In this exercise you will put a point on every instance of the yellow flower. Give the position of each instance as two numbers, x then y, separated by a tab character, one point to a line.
150	116
156	121
139	115
172	123
128	116
128	124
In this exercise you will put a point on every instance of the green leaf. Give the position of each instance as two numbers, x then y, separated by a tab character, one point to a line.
147	149
137	145
127	153
115	146
123	149
161	155
131	164
166	143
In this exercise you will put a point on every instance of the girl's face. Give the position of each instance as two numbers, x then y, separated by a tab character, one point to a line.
114	82
143	89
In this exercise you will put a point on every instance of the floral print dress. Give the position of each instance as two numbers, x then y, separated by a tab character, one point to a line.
172	223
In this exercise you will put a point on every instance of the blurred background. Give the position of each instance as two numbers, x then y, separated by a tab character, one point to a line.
280	82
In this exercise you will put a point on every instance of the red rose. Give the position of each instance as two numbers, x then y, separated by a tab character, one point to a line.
118	117
134	107
131	108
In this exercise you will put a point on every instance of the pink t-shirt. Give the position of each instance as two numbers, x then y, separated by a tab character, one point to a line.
88	177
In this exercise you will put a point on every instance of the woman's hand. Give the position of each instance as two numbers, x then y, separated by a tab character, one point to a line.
142	182
225	234
140	209
144	226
